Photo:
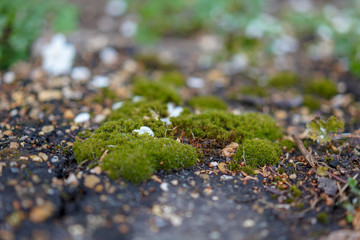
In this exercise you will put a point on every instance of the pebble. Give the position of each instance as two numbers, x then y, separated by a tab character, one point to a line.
43	156
96	170
72	180
293	176
100	82
117	105
54	159
9	77
128	28
226	178
248	223
80	74
41	213
115	8
48	95
14	145
108	56
35	158
174	182
68	114
195	82
91	181
164	186
48	128
143	130
82	117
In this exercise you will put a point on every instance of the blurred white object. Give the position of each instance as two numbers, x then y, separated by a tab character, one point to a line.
100	82
80	74
58	56
285	44
9	77
82	117
173	112
301	5
117	105
128	28
108	55
195	82
144	130
116	8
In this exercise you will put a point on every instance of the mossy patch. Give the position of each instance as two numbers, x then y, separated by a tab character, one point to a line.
323	87
255	91
140	110
174	78
287	144
152	90
283	80
257	152
311	102
153	62
137	160
225	126
207	102
111	135
104	94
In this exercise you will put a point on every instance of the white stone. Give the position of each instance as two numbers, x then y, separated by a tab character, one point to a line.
226	178
164	186
108	55
115	8
9	77
58	56
100	82
82	117
128	28
136	99
144	130
248	223
214	164
195	82
117	105
80	74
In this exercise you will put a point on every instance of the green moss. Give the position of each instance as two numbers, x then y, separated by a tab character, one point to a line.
325	88
288	144
174	78
283	80
155	91
111	135
153	62
258	152
248	170
105	93
255	91
222	125
323	218
295	191
207	102
137	160
311	102
140	110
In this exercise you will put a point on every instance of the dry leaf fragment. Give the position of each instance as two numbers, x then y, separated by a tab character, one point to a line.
229	150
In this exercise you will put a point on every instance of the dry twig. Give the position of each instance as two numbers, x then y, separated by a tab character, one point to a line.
305	152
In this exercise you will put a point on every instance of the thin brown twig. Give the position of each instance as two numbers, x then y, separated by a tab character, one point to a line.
337	178
305	152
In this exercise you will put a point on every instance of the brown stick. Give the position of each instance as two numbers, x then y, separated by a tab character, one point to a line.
305	152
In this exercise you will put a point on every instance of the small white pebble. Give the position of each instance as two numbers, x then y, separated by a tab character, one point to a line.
128	28
214	164
80	74
136	99
226	178
9	77
115	8
164	186
108	55
82	117
248	223
117	105
100	82
195	82
143	130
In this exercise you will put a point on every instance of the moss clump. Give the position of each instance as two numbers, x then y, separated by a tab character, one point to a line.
295	191
155	91
311	102
323	218
105	93
174	78
325	88
283	80
222	125
137	160
207	102
255	91
153	62
140	110
287	144
111	135
258	152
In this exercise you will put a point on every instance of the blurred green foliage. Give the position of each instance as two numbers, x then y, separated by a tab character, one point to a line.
21	22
